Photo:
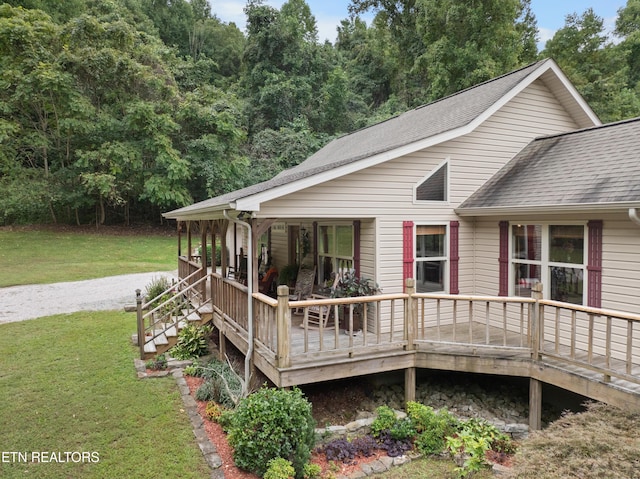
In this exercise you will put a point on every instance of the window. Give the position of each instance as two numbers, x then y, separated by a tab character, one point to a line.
431	258
553	255
335	250
435	186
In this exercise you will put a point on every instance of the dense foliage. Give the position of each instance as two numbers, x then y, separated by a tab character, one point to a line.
272	423
117	110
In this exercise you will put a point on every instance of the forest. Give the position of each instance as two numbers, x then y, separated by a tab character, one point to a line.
114	111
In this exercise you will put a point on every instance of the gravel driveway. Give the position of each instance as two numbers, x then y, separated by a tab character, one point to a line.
18	303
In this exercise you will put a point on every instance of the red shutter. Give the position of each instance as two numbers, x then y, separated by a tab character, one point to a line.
356	247
407	252
503	260
594	264
454	257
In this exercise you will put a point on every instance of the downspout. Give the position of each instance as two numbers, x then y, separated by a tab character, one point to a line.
633	216
247	359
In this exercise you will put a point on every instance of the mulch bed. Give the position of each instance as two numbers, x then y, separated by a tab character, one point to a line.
219	439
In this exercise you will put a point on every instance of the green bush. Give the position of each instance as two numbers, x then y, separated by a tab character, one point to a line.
312	471
155	288
157	364
384	421
472	442
272	423
279	468
222	384
192	342
207	391
432	427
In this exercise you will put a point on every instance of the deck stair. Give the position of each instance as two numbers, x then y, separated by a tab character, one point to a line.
162	322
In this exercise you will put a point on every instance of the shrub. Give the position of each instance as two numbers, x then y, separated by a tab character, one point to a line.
279	468
432	427
311	470
394	435
213	411
223	384
272	423
385	419
207	391
472	442
157	364
193	370
192	342
155	288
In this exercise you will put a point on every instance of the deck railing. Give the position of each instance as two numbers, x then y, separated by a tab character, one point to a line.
492	322
229	300
604	341
596	339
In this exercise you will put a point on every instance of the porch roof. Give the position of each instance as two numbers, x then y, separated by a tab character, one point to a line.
595	168
422	127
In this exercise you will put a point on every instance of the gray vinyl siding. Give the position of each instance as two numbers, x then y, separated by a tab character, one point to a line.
620	264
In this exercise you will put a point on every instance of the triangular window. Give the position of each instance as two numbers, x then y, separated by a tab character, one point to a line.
434	186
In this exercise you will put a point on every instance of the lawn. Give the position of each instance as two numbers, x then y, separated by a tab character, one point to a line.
41	256
67	384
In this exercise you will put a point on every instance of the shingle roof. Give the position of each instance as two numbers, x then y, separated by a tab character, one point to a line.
445	115
596	166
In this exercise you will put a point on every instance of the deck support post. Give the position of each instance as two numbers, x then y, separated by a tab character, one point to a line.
283	327
535	404
222	345
409	385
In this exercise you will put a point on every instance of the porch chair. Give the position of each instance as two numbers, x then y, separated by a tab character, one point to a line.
321	314
304	285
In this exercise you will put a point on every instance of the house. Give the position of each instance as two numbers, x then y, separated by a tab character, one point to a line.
502	189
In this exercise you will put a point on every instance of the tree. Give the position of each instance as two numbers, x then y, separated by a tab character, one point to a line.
598	68
284	64
448	45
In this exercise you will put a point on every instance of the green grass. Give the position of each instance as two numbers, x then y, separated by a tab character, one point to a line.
67	383
43	256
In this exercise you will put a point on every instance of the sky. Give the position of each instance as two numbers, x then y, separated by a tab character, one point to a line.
550	14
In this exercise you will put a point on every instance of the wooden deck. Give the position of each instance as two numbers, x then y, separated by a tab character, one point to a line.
587	351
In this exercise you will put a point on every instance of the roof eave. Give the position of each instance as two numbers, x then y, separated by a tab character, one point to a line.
545	209
209	212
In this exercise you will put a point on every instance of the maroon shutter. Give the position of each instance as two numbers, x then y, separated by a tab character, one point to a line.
407	252
356	247
503	260
594	264
454	257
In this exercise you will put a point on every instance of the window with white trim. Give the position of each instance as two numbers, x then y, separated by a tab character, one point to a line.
335	251
431	258
435	186
554	254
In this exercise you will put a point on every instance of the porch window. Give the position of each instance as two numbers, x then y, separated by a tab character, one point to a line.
553	255
335	250
431	258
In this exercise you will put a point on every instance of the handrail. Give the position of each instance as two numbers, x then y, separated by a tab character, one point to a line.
168	290
168	325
